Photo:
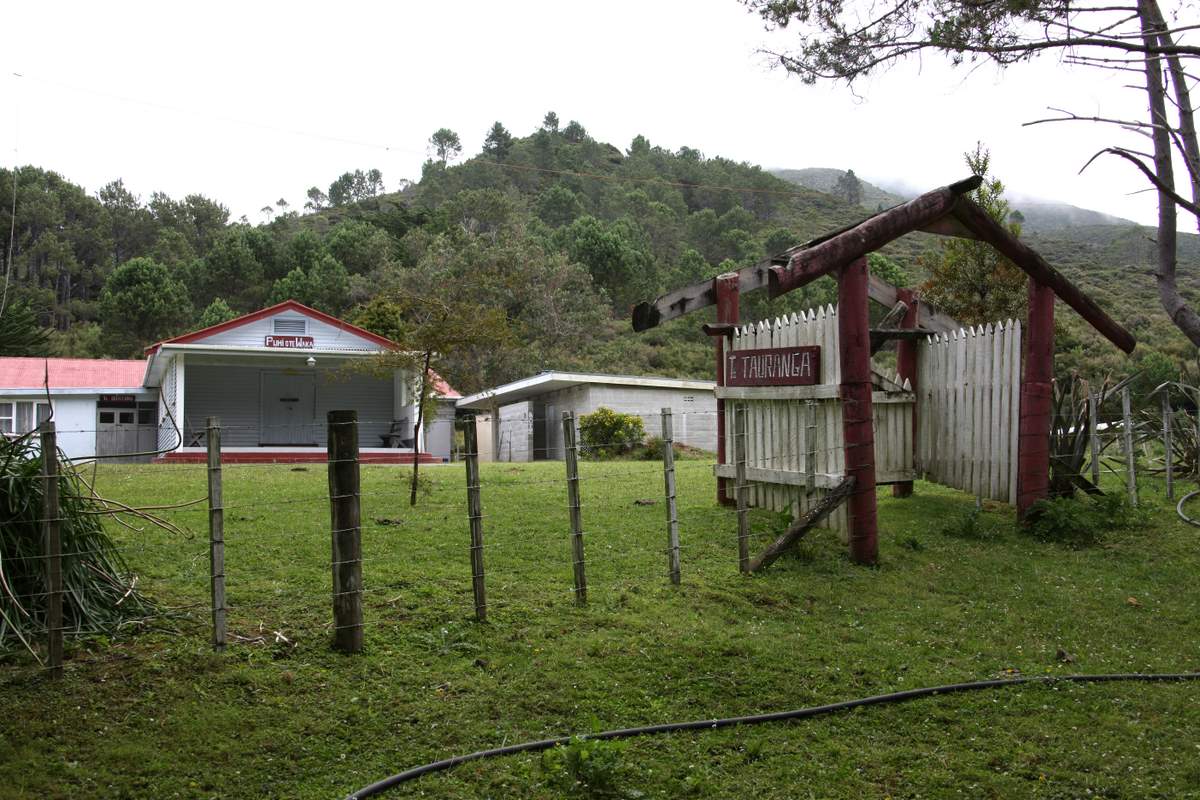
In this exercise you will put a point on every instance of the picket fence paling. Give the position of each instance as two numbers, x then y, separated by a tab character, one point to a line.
967	406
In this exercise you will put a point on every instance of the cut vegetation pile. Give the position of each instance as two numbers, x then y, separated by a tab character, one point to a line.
99	591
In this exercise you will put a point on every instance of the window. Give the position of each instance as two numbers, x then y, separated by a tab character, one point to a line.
126	417
107	417
145	416
22	416
293	325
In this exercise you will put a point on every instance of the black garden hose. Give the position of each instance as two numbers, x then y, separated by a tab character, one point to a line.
1179	508
778	716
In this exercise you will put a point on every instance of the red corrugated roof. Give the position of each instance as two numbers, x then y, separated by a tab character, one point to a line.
441	388
71	373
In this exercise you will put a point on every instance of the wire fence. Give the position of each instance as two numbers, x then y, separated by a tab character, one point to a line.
504	544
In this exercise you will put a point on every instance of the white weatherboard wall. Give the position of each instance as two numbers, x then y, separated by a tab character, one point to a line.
325	336
75	425
233	394
969	394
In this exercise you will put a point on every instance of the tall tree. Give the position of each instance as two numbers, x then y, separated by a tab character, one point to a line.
842	40
140	304
430	326
550	122
445	144
969	279
498	142
849	188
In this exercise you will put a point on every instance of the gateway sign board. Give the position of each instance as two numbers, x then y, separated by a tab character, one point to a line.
774	366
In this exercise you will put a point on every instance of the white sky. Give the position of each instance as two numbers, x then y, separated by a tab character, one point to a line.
247	102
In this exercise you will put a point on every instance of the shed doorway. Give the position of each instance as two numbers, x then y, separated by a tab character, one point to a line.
126	431
288	409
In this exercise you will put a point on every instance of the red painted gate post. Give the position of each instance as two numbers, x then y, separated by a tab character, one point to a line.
906	366
854	342
1033	439
726	289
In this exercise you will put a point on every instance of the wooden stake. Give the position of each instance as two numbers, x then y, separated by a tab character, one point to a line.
1094	437
1167	455
1130	458
475	518
741	488
216	533
800	527
668	437
571	451
345	530
52	542
858	435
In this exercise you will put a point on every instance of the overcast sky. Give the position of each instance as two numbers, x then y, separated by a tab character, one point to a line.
247	102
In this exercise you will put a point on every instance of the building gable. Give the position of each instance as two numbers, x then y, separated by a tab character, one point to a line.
286	326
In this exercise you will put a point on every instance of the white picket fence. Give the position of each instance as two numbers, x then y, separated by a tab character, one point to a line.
794	433
969	391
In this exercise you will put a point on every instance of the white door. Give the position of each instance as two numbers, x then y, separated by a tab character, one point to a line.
288	408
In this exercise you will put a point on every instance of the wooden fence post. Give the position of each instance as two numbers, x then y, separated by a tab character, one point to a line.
726	289
475	516
1033	442
1166	415
216	532
52	542
346	531
1094	437
1130	458
668	437
742	489
571	454
858	434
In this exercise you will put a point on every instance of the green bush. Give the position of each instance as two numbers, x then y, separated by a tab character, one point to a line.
605	433
1081	521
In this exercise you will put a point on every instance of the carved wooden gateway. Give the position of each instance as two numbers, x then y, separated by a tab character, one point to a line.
819	425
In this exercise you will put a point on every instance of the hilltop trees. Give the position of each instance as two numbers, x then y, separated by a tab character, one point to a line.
446	145
847	41
498	142
849	188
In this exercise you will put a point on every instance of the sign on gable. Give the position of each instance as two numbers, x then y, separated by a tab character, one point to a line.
290	341
774	366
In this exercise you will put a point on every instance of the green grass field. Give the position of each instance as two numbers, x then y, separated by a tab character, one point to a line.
159	714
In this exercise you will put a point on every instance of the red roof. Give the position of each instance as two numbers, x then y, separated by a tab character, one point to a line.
286	305
441	388
71	373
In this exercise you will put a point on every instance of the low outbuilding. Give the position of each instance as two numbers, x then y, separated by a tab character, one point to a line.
522	420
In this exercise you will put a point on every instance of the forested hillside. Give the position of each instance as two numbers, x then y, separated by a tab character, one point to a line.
561	231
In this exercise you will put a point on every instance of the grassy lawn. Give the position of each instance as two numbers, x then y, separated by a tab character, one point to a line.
279	715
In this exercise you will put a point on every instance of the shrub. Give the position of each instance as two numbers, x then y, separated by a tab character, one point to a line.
606	433
1080	522
98	588
586	767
